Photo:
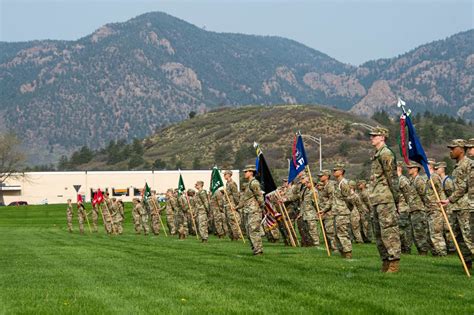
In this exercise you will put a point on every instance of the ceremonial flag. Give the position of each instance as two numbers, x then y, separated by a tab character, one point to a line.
94	200
414	147
403	139
79	198
100	197
264	176
146	192
181	187
216	180
299	160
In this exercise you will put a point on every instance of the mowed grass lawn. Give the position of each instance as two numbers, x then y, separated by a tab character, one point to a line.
46	270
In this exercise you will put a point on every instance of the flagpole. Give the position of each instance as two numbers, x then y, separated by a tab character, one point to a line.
87	219
192	214
318	210
285	213
450	229
290	232
159	216
235	216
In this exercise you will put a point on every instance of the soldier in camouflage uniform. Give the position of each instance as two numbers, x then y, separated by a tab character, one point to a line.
307	215
142	223
233	217
326	193
252	204
433	213
356	212
462	204
367	224
384	198
116	215
470	183
416	208
406	234
69	215
155	213
81	216
292	200
136	217
342	214
179	203
448	188
107	216
95	217
202	209
171	209
216	205
189	204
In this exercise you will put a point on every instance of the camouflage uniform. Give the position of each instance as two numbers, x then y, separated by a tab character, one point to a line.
142	223
355	203
81	215
252	203
448	188
69	215
417	212
434	215
116	216
95	217
107	216
171	209
325	205
367	224
232	217
293	202
202	208
155	213
308	218
342	214
217	208
183	214
462	204
384	192
406	234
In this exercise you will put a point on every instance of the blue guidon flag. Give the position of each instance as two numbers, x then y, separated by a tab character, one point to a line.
414	147
298	160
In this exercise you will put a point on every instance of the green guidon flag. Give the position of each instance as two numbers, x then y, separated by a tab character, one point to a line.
216	180
181	187
146	192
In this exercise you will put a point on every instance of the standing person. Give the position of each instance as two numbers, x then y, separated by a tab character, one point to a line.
326	201
252	204
136	215
155	213
141	216
182	215
342	221
95	217
202	209
384	197
171	209
116	216
216	205
106	205
81	215
462	205
307	215
448	188
416	208
69	215
470	184
368	222
232	216
121	215
356	213
406	235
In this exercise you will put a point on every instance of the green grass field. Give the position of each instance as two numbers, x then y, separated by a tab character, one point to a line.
46	270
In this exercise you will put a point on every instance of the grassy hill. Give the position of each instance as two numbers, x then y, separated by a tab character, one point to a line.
46	270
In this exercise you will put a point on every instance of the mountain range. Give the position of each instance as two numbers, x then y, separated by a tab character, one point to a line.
128	80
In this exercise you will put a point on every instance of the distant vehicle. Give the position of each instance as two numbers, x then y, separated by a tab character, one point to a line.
18	203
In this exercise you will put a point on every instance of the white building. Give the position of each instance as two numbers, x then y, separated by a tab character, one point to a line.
57	187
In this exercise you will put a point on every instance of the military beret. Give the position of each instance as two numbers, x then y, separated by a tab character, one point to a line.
228	172
379	131
469	143
457	143
338	167
413	165
324	173
249	167
440	164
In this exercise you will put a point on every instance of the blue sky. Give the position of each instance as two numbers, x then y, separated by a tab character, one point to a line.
351	31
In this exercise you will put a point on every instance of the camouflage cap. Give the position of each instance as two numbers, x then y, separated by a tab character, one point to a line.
200	182
379	131
352	183
324	173
191	191
169	190
413	165
470	143
338	167
400	164
457	143
361	181
432	162
228	172
249	167
440	164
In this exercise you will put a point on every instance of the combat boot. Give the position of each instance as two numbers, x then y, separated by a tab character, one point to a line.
385	264
348	255
394	266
